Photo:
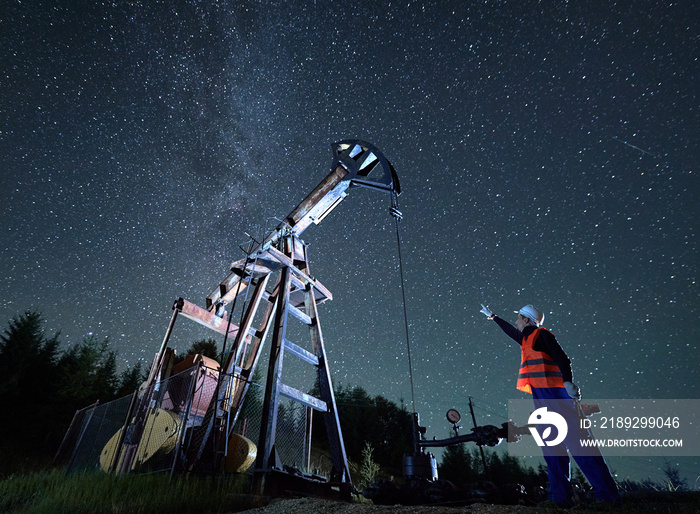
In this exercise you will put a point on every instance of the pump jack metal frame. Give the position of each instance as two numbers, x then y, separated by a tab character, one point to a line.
296	292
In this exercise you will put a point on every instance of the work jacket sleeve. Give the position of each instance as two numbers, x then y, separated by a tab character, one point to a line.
547	343
512	332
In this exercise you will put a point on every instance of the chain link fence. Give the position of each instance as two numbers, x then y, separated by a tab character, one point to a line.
171	425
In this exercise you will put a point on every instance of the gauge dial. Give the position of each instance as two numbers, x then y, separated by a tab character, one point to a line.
453	416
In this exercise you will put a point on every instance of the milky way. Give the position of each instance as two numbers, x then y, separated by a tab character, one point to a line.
547	153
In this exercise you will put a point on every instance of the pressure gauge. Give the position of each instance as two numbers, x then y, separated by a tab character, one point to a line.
453	416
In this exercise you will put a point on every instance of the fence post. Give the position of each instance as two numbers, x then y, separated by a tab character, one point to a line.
82	433
188	408
125	427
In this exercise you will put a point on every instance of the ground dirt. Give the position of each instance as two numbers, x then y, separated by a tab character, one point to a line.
642	503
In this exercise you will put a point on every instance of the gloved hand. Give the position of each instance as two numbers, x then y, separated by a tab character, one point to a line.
485	310
573	390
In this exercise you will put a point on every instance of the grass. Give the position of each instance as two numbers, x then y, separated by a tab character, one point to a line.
55	492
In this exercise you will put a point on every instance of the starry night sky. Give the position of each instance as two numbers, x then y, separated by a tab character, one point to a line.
547	152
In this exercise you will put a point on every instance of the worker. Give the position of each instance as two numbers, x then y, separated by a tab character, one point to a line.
545	373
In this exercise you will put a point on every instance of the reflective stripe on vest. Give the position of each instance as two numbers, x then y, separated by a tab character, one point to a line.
537	369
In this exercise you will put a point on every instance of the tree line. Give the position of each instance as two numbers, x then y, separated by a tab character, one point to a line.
42	385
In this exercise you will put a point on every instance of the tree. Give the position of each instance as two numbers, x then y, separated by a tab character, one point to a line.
205	347
674	482
374	420
27	360
130	380
368	468
29	374
106	379
506	469
88	373
459	465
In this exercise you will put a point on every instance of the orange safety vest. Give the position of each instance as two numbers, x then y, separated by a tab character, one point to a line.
537	369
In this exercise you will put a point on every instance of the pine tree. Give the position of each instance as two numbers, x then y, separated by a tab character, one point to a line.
27	361
30	377
674	482
458	465
88	373
130	379
106	379
205	347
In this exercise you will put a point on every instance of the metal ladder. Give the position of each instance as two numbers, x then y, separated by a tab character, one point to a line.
297	297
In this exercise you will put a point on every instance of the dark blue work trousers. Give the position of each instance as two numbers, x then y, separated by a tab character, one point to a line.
590	461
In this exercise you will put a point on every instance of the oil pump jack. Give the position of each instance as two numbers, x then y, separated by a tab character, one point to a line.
276	287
